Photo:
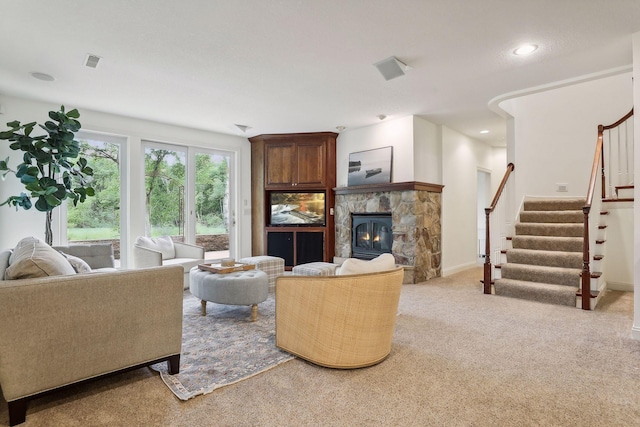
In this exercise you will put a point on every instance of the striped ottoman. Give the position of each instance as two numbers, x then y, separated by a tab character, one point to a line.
249	287
271	265
315	269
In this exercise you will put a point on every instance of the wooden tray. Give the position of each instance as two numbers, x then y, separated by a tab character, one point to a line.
216	267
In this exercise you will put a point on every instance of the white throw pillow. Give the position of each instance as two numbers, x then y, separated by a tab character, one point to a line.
78	264
162	244
34	258
384	262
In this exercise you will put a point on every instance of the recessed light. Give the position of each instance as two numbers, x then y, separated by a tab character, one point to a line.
42	76
341	128
525	49
381	116
484	131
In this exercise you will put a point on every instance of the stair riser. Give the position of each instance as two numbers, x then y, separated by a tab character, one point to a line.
554	205
563	260
552	217
549	230
550	244
514	271
547	295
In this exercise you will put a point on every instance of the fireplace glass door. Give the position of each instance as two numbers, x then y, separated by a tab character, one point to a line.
372	235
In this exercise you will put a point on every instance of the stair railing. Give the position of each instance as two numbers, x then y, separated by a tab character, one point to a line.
617	140
487	257
599	161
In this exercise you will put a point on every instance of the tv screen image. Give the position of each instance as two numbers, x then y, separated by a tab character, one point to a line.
300	208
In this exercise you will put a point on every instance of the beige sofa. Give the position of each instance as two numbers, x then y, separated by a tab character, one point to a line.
61	330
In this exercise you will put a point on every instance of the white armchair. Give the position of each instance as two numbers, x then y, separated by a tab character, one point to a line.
152	252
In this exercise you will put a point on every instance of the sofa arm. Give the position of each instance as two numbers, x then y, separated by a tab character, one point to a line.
145	257
60	330
185	250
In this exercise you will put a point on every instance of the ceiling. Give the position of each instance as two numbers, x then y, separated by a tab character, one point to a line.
281	66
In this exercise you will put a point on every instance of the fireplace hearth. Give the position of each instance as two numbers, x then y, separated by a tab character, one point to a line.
371	235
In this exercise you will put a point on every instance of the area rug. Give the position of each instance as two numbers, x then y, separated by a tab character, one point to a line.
223	347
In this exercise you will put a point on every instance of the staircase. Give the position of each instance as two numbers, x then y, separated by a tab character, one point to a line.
545	260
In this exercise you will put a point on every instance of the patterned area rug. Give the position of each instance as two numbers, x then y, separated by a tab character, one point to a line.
223	347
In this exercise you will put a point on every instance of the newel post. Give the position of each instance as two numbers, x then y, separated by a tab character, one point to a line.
586	273
487	256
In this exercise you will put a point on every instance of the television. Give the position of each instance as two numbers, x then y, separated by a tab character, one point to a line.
297	208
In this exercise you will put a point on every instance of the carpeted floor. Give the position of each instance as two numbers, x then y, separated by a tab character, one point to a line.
459	358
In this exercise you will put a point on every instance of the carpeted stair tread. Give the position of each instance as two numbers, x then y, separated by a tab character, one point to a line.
559	230
548	243
541	292
541	274
552	216
545	258
554	204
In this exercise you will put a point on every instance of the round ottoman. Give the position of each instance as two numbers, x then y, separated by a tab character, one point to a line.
248	287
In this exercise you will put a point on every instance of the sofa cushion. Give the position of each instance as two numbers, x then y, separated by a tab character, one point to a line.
34	258
383	262
4	261
78	264
162	244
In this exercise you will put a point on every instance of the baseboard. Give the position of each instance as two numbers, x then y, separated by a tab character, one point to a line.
459	268
635	333
618	286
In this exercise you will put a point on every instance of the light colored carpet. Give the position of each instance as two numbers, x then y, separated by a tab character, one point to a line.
459	358
223	347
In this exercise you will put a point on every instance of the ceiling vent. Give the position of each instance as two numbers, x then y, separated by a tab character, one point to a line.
92	61
391	68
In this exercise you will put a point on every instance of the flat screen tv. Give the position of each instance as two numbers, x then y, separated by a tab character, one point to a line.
299	208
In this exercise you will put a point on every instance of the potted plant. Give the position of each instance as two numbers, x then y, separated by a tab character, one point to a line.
49	170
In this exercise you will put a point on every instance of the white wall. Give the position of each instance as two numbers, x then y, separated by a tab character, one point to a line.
555	133
461	159
396	133
427	151
16	225
636	138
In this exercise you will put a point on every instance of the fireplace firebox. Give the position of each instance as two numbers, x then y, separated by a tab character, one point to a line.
371	235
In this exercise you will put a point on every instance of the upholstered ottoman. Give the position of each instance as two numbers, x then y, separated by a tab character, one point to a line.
315	269
249	287
272	265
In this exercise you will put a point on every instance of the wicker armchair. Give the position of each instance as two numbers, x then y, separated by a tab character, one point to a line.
338	321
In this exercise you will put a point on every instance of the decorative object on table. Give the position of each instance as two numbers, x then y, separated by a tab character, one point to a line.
48	170
228	262
220	268
370	166
222	348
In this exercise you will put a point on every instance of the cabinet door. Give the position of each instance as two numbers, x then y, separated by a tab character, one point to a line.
311	164
280	165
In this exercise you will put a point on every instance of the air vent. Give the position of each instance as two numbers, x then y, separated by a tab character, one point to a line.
92	61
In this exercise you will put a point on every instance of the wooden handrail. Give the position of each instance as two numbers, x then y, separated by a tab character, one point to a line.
487	255
598	158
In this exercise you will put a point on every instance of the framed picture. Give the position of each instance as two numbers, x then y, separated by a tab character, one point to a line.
370	167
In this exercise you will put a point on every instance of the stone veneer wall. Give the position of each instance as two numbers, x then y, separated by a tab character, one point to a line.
416	227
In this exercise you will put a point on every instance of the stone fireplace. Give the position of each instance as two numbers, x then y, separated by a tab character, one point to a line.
415	210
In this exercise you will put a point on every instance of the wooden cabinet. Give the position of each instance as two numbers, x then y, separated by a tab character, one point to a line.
295	164
288	163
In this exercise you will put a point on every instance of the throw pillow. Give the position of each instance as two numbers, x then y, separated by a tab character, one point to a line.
34	258
162	244
78	264
383	262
